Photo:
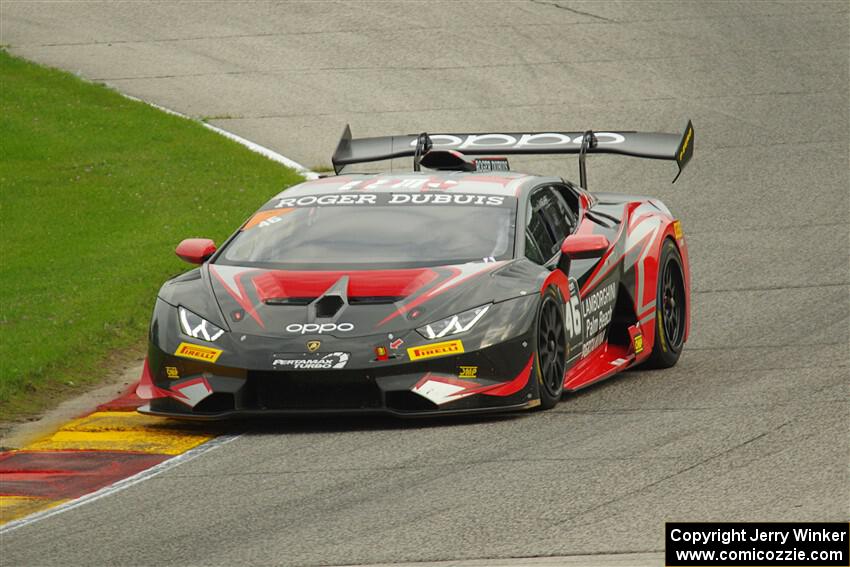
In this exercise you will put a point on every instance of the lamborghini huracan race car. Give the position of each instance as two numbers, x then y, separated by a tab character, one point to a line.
456	287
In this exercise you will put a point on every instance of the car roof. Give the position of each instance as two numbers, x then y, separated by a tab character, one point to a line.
501	183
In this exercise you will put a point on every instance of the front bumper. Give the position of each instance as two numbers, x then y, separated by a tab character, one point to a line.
487	369
496	378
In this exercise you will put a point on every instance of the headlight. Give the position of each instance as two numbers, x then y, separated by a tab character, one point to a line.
453	325
197	327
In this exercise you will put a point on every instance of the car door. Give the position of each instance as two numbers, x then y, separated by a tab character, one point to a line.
550	222
541	243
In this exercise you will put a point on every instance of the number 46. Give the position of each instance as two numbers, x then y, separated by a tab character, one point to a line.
572	314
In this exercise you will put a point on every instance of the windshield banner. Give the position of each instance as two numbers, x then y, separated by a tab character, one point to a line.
395	199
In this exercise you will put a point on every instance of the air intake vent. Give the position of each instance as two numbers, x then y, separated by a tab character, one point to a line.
327	306
376	300
289	300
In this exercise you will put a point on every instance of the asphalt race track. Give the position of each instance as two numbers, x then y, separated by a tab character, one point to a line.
751	425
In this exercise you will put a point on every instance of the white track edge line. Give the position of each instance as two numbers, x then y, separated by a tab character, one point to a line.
120	485
253	146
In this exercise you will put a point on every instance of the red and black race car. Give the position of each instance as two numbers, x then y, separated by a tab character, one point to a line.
456	287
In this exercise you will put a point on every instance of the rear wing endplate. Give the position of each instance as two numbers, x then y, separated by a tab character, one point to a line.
649	145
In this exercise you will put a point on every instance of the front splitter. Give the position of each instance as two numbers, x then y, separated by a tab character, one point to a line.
274	413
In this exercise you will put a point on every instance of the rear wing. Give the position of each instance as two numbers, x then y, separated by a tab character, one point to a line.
650	145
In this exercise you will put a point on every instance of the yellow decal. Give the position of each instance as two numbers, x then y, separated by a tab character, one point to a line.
688	137
677	230
198	352
468	372
313	346
660	330
638	342
172	372
436	349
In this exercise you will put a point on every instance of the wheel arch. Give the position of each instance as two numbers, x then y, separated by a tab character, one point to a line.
649	327
640	271
548	293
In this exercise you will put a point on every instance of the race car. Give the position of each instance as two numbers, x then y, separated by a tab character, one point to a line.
457	286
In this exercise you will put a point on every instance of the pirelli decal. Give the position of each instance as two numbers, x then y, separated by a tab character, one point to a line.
198	352
435	349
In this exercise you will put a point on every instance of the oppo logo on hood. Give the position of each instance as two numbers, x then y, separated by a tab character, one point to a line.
319	328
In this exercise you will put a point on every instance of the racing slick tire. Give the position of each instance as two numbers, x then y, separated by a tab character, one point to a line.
550	350
671	309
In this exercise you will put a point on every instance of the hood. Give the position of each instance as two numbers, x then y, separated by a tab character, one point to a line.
348	304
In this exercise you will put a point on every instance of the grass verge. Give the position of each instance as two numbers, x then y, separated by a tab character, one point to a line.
95	192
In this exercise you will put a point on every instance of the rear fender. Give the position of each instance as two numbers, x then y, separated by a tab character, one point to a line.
645	239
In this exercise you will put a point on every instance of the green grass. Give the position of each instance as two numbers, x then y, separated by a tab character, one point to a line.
322	168
95	192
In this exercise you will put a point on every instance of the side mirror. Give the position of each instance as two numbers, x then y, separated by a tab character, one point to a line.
585	246
580	247
195	250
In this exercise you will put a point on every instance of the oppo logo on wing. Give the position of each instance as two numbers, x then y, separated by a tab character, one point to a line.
319	328
508	141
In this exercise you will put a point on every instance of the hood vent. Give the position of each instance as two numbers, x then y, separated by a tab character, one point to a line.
328	306
331	304
360	300
302	301
375	300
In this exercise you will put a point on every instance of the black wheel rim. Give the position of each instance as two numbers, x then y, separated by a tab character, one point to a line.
551	348
673	304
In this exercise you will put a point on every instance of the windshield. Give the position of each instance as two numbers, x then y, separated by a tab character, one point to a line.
363	230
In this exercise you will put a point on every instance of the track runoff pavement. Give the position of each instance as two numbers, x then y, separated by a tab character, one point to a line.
751	425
